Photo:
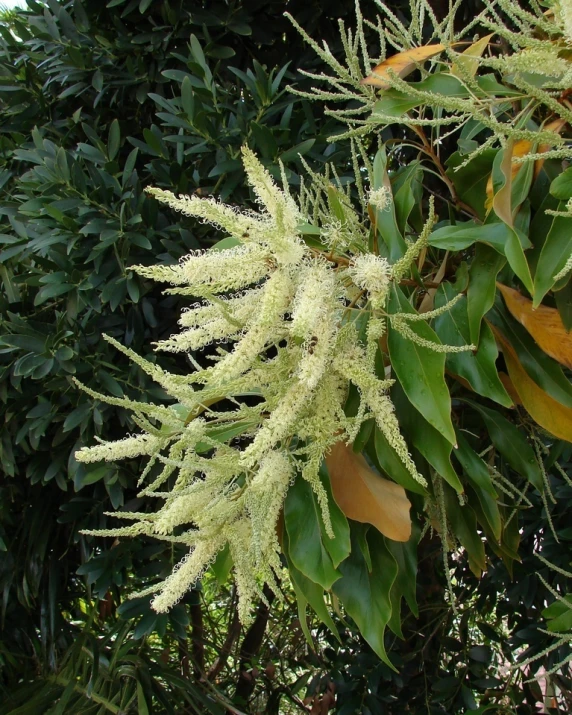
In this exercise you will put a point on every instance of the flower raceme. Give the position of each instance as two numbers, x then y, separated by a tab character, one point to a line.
292	315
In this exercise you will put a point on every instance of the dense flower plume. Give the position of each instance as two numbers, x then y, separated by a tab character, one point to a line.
293	315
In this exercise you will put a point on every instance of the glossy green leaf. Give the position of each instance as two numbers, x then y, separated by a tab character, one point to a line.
488	515
421	370
477	368
473	466
307	537
478	474
295	152
405	196
470	181
405	555
561	187
365	594
463	235
559	615
483	273
393	103
386	221
339	547
389	462
463	523
555	252
113	140
430	443
512	444
562	623
499	235
308	592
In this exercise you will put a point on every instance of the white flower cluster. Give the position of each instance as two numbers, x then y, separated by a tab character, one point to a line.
380	198
563	15
291	352
372	274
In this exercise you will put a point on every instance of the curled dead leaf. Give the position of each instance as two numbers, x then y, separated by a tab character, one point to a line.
367	497
544	410
543	323
403	63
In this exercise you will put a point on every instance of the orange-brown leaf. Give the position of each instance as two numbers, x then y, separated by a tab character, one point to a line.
402	64
367	497
544	410
509	387
543	323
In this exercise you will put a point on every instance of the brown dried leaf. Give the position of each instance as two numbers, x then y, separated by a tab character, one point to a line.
367	497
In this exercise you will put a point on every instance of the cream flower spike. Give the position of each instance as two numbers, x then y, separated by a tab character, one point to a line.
279	312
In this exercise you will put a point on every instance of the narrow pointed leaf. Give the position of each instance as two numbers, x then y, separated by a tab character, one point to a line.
482	289
365	594
477	368
306	535
512	444
390	463
430	443
421	370
555	252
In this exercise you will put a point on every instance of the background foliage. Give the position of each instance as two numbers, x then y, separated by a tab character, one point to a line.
97	103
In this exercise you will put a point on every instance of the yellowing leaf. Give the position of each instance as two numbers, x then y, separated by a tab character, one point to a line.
544	410
402	64
522	148
556	126
367	497
502	198
469	59
543	323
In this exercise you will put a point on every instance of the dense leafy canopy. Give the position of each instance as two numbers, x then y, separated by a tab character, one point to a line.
100	103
